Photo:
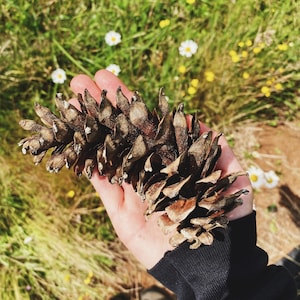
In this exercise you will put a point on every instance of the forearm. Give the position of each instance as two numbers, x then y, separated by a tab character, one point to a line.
232	268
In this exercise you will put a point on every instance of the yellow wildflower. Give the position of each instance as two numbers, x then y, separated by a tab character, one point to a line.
232	53
269	82
278	87
261	45
246	75
182	69
195	82
100	209
89	277
266	91
256	50
248	43
87	281
282	47
245	54
191	90
70	194
190	1
67	277
164	23
281	70
235	58
84	297
241	44
209	76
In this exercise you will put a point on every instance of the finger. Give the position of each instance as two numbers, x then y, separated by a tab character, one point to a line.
112	195
247	206
106	80
81	82
75	102
204	127
227	161
133	201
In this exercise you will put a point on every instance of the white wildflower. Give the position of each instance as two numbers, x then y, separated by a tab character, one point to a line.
188	48
256	176
271	179
27	240
112	38
59	76
115	69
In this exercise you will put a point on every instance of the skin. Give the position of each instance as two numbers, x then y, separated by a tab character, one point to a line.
143	237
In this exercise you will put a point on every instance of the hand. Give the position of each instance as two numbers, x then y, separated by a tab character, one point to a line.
143	237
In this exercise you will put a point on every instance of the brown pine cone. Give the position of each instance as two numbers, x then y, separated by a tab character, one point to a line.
172	167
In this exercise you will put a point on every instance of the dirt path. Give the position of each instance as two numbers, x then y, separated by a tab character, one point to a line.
278	209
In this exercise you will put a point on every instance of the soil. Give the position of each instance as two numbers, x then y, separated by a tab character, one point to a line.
278	209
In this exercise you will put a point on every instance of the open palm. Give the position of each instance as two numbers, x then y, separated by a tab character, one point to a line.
143	237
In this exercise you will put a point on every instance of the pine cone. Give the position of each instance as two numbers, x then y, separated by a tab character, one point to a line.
172	167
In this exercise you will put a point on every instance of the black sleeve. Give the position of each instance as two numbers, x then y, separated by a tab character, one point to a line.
233	267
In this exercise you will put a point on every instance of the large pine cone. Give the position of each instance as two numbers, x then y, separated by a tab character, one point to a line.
171	166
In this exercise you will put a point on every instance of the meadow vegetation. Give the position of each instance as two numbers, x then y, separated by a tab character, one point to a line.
55	239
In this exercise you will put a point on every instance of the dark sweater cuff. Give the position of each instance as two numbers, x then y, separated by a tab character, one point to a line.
233	267
206	271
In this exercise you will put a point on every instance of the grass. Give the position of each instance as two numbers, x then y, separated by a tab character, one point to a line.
47	35
52	246
246	67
